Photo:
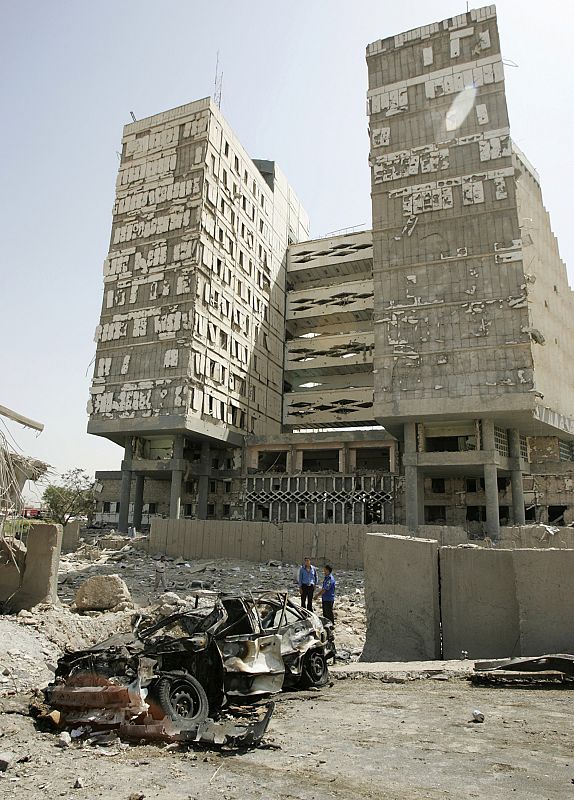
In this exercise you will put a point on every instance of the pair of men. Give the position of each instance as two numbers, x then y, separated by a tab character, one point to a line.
308	582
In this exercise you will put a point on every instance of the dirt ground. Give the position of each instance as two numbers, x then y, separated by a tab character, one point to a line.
359	738
356	739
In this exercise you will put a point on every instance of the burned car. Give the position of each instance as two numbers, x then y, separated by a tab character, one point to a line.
177	670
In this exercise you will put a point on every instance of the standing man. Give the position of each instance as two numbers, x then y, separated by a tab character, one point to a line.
327	593
307	581
160	573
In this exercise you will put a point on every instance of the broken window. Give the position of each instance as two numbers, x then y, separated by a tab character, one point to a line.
475	513
226	510
272	461
443	444
435	515
211	511
438	485
371	458
152	508
556	514
321	460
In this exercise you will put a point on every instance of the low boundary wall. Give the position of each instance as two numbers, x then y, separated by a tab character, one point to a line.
259	541
340	544
494	602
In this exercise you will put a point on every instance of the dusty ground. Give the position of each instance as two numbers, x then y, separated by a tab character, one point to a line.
357	739
360	738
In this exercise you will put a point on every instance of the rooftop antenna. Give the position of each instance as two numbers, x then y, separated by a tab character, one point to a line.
133	116
218	84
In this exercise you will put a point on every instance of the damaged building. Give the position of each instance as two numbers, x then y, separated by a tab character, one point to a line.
189	353
471	297
414	373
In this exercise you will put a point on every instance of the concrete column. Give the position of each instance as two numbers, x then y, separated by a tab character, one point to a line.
138	502
203	482
490	480
126	487
344	458
411	477
488	435
491	492
420	497
518	513
176	479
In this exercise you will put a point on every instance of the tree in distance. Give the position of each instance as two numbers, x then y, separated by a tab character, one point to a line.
72	497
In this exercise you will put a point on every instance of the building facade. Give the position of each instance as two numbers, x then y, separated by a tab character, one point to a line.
189	353
416	373
471	296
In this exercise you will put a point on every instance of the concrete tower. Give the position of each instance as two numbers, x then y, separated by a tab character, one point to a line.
472	353
190	342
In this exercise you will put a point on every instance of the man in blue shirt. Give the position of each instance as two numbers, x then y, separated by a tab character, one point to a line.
307	581
327	593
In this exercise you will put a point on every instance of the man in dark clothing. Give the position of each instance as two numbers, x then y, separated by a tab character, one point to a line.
307	581
327	593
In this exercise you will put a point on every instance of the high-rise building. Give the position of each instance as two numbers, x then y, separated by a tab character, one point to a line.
472	347
190	342
248	372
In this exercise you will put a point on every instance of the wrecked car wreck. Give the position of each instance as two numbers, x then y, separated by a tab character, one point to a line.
165	679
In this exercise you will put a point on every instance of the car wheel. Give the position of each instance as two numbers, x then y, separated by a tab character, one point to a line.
183	699
315	671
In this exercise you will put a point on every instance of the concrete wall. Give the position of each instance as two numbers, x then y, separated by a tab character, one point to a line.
505	603
35	580
402	598
478	603
545	599
341	545
538	537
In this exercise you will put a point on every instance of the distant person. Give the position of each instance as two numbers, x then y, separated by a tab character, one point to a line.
160	567
327	593
307	581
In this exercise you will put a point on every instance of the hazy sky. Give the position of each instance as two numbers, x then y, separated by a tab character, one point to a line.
294	89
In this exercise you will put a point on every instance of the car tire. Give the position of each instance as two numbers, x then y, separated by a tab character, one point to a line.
183	699
315	671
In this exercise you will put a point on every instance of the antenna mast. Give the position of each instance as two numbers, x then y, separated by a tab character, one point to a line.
218	84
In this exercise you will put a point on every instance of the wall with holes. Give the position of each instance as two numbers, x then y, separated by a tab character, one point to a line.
330	339
453	327
191	328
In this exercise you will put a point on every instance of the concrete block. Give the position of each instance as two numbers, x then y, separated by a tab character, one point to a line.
40	581
478	602
71	536
544	581
402	598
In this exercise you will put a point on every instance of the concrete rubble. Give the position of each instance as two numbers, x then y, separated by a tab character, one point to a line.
103	593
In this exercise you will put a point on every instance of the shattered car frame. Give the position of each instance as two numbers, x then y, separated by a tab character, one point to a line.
176	670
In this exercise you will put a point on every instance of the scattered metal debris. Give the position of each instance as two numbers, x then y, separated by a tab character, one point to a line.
553	668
